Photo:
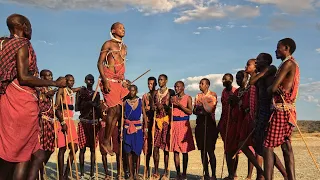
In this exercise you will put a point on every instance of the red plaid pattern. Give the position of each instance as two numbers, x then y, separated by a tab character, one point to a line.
162	138
280	128
86	136
47	135
45	104
253	102
8	67
222	126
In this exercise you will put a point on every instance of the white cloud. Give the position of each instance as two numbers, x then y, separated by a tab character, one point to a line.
318	50
196	33
218	28
192	87
230	26
45	42
204	28
289	6
217	11
309	92
244	26
144	6
188	9
192	83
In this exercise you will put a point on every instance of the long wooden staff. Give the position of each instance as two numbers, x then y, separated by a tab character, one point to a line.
55	136
72	143
204	146
66	139
152	141
170	142
244	142
225	140
140	76
310	153
121	140
146	152
94	128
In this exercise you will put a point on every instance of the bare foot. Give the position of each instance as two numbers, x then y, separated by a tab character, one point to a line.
107	177
108	147
155	177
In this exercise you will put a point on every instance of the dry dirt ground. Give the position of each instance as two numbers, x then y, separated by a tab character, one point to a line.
305	168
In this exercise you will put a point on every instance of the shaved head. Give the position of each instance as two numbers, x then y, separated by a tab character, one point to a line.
114	25
19	25
15	20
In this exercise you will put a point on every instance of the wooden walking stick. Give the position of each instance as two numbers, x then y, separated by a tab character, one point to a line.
66	140
152	141
204	146
55	135
55	140
121	141
296	124
140	76
94	128
72	143
225	143
170	142
146	153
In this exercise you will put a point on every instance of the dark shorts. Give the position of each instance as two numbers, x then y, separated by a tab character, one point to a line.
211	135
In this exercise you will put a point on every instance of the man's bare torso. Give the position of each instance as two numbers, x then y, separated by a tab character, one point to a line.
114	56
288	80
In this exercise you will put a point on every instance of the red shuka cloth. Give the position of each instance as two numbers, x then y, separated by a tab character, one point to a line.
19	128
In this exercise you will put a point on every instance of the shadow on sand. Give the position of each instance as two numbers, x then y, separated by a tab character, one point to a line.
51	171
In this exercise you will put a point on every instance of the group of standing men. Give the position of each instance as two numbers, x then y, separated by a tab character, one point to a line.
260	115
28	128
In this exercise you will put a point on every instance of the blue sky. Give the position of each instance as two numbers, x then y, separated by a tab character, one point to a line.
185	39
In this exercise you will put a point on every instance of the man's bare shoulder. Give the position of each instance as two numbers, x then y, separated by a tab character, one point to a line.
213	94
287	66
107	45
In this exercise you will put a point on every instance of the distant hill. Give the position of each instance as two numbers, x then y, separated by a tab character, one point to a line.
305	126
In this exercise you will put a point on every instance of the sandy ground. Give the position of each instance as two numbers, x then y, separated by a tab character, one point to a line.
305	168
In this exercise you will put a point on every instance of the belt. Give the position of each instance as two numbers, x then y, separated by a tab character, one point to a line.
283	107
178	118
115	80
71	107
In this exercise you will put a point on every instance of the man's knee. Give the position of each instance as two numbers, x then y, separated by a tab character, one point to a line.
286	147
75	148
